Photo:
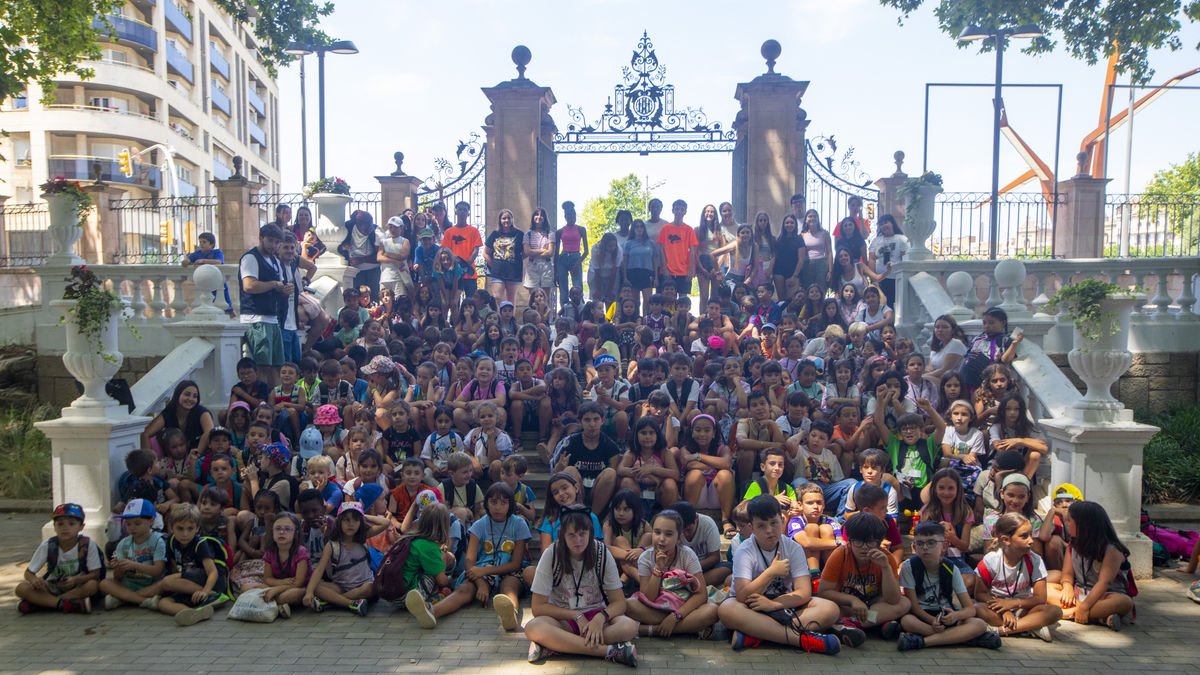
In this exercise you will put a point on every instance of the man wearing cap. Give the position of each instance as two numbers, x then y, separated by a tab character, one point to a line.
464	241
72	567
140	558
392	255
262	290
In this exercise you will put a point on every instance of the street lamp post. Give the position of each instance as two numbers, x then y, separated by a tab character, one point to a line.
302	50
998	35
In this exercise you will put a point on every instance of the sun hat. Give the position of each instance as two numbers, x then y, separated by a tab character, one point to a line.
716	342
380	364
311	443
68	510
139	508
327	414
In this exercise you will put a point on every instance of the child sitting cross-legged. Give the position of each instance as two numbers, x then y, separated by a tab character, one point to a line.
671	595
72	563
286	564
861	578
1012	590
343	575
195	582
942	612
140	558
771	595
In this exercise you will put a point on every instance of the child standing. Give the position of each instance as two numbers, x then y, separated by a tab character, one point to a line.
771	595
1012	595
578	606
139	559
73	567
343	575
942	611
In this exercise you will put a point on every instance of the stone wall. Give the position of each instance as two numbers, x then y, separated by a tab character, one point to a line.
1156	382
57	387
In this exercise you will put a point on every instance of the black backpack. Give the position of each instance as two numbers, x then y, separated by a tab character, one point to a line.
389	579
945	579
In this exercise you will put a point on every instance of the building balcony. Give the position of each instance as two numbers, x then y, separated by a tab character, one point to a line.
186	189
257	134
77	167
220	101
102	109
217	60
177	20
178	63
220	171
256	101
137	33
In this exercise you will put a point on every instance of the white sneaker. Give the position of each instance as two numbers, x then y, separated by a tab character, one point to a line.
419	608
195	615
510	614
111	602
1044	634
150	603
285	610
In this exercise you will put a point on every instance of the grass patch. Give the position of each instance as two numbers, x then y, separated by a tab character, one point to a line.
25	453
1171	460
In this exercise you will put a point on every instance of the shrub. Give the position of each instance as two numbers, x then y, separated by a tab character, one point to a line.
1171	461
24	454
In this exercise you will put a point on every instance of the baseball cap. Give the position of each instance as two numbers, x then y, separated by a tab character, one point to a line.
506	303
425	498
68	510
769	326
311	443
427	233
604	360
139	508
350	506
368	494
1068	491
380	364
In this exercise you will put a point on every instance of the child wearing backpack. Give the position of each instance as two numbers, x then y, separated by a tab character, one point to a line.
1097	583
198	572
343	576
942	612
139	559
578	606
495	553
1012	589
73	567
427	564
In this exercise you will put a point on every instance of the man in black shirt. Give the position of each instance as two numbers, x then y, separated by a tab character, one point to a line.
591	457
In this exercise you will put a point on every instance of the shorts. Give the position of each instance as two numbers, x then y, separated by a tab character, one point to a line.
264	342
198	576
588	615
709	499
640	279
683	284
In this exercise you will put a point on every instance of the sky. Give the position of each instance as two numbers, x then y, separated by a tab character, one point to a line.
415	87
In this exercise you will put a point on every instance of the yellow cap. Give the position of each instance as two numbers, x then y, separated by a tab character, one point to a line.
1068	491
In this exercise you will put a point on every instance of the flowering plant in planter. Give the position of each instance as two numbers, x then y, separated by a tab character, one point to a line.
332	185
59	185
93	306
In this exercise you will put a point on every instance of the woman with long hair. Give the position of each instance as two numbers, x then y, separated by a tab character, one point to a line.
790	258
504	253
539	253
764	251
820	252
185	413
640	261
888	249
711	238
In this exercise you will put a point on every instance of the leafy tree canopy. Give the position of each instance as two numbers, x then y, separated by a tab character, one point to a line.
599	215
1089	29
1174	193
40	39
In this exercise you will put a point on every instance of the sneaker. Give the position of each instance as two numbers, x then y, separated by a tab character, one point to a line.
1193	591
705	633
111	602
849	635
285	610
419	608
1044	634
510	614
150	603
890	630
623	653
1113	622
84	605
195	615
909	641
359	607
741	641
538	653
820	643
25	607
319	605
989	640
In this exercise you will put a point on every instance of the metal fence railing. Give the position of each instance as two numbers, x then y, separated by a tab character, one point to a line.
371	202
23	237
1151	225
162	231
1026	225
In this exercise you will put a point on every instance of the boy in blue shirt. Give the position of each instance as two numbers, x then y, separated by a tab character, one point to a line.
140	557
207	253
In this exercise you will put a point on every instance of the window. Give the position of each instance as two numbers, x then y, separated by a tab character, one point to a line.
114	104
22	152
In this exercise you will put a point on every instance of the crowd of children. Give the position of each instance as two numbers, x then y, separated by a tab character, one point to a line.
388	465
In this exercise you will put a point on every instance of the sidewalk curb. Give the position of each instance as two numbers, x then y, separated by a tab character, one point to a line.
25	505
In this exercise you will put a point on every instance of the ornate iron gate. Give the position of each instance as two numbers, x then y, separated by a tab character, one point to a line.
460	181
831	180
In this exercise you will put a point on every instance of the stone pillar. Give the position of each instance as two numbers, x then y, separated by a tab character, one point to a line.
774	140
890	200
514	131
398	191
101	241
1079	229
237	218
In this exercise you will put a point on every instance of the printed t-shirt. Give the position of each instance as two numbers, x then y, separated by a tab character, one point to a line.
677	242
462	241
862	580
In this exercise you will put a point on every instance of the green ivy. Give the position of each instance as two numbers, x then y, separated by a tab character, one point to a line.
1082	302
910	190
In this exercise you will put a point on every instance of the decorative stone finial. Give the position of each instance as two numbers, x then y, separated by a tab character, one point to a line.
1081	161
521	56
770	51
898	158
237	167
399	159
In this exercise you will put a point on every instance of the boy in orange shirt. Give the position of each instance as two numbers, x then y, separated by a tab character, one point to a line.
861	578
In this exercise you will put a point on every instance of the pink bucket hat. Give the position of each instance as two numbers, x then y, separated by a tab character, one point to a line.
327	414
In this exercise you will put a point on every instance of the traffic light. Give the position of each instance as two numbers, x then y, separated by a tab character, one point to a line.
164	232
125	163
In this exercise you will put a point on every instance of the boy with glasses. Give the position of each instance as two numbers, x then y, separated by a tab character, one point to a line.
861	578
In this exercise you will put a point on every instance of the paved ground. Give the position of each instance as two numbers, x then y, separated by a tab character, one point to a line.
137	641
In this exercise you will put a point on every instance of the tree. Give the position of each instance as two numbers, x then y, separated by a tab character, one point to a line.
1173	193
1090	29
41	39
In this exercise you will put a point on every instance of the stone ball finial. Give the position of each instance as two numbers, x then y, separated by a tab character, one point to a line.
770	51
398	157
959	283
521	56
237	167
1010	273
207	279
1081	161
898	158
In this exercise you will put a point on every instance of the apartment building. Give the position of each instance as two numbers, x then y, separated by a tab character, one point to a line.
180	73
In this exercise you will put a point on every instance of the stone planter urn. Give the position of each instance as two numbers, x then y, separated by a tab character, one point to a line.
64	229
93	362
1101	359
331	220
919	224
